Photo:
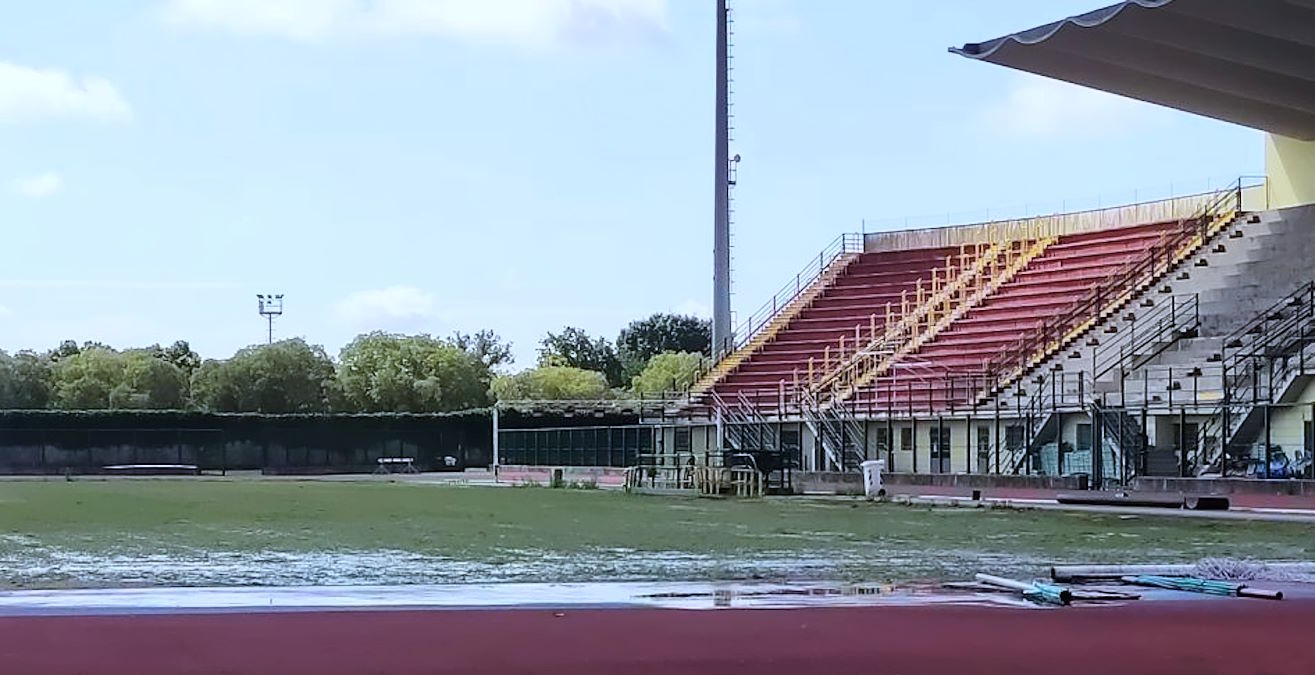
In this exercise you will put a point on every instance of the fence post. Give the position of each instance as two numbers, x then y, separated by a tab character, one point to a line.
997	438
1182	442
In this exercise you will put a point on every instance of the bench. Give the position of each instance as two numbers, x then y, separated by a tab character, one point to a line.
388	465
152	469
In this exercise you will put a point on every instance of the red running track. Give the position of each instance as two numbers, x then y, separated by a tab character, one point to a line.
1235	637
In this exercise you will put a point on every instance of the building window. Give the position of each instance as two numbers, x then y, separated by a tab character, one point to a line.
983	449
1084	438
882	441
1190	439
940	441
1015	438
683	435
790	438
939	436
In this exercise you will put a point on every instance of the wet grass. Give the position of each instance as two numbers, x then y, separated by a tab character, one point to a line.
491	526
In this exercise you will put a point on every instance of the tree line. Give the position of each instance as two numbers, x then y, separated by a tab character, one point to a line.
376	372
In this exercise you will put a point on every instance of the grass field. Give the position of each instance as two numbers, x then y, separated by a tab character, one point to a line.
125	533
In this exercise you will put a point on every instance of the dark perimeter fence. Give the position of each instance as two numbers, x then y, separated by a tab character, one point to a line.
44	442
618	446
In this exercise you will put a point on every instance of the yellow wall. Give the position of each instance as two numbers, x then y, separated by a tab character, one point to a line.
1290	165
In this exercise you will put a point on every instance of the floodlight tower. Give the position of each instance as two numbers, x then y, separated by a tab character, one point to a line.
722	339
270	306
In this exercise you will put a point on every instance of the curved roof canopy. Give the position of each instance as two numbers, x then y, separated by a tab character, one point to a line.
1248	62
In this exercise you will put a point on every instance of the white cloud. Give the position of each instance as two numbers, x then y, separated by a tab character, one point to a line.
4	311
30	94
1046	108
386	306
520	22
40	186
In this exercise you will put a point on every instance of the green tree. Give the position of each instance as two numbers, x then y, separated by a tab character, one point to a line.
84	380
149	382
65	349
670	371
646	338
574	348
383	372
179	354
25	381
97	378
551	383
290	376
485	346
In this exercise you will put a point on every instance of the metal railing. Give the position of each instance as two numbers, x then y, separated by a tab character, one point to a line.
1120	436
744	426
1259	361
915	312
1142	196
978	274
1151	330
1052	392
836	430
746	329
1118	288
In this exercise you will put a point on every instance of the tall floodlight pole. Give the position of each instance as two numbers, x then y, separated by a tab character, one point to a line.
270	306
722	339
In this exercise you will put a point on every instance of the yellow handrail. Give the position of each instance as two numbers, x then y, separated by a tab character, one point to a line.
783	318
914	318
998	266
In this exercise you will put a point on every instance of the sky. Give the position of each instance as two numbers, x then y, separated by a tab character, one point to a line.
514	165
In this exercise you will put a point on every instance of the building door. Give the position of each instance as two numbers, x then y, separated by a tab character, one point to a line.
983	449
939	438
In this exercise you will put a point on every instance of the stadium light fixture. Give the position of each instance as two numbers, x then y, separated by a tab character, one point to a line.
270	306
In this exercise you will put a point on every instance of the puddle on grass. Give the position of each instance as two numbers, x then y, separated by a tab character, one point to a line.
36	566
28	563
671	595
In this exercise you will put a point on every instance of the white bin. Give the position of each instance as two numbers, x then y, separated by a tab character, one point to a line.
872	478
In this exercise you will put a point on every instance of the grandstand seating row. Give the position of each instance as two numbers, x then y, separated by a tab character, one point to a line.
858	301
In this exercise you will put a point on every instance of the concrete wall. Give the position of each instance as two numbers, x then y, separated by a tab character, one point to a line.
851	483
1287	421
963	444
1054	225
1224	486
1290	165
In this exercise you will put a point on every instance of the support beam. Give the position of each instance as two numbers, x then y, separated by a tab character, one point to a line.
722	339
496	458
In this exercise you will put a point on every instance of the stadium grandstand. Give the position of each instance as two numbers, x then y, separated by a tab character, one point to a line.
1166	338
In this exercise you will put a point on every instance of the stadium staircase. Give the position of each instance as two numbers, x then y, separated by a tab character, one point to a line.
963	363
838	432
749	438
1123	439
969	328
1052	394
1156	325
978	274
1264	362
784	307
857	297
1133	261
